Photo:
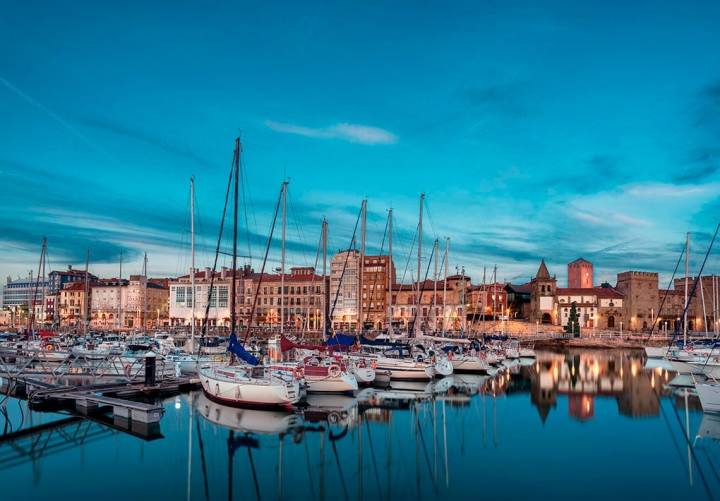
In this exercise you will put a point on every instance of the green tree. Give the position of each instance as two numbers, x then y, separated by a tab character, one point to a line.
573	325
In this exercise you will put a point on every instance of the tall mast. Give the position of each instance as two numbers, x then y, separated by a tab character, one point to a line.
447	252
326	280
87	294
119	312
192	262
361	284
687	271
145	295
389	272
436	251
418	321
484	301
282	258
236	172
43	258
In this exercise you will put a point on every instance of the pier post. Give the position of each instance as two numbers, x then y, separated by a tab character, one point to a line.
150	362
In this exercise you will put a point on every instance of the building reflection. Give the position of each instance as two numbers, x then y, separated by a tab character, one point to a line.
584	376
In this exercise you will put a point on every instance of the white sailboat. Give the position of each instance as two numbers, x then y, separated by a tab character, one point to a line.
243	384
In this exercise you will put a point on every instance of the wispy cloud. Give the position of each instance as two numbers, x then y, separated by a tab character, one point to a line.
354	133
660	190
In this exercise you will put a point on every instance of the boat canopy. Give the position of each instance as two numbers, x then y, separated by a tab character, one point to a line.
237	349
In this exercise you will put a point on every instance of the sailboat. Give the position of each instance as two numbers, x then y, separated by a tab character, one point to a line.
246	384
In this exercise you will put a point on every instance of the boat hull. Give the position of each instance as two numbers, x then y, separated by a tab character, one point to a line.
247	394
709	396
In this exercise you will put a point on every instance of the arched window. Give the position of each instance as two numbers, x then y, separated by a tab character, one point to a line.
611	322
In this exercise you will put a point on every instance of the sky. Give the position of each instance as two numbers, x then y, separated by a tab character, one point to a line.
551	130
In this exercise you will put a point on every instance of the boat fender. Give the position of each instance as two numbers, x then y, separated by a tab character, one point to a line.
450	355
334	371
373	364
126	370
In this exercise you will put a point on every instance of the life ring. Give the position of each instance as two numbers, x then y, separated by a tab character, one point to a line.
334	370
49	347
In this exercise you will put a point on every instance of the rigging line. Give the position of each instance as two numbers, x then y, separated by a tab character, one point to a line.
375	280
347	258
262	269
672	278
202	461
713	468
692	452
409	254
430	218
374	461
427	456
298	228
312	282
342	477
422	288
672	435
217	252
254	473
309	471
245	211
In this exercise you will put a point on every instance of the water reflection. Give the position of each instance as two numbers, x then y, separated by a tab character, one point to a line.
550	424
584	376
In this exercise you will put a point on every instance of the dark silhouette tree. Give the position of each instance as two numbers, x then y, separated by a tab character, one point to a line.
573	325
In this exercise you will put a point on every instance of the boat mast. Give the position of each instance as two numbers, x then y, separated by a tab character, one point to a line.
282	258
236	171
436	251
87	293
44	259
418	317
326	279
687	271
119	312
447	252
192	262
390	273
145	294
361	284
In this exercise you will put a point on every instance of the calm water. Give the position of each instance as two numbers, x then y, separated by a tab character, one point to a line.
581	424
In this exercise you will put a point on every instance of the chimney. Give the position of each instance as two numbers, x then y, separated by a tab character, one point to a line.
207	272
224	272
69	267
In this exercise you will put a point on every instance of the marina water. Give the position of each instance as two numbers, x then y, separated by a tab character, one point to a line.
572	424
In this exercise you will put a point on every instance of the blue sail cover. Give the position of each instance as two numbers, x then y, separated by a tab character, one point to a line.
340	340
237	349
378	342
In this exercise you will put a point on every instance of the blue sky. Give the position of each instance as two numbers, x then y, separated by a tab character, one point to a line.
558	130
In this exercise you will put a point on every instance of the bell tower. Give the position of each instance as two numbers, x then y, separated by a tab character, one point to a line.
542	295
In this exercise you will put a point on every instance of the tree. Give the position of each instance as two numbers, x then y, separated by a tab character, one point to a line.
573	325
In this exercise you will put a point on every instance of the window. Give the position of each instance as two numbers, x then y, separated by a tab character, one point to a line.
223	297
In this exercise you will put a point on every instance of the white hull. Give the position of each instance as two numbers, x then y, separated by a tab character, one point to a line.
656	351
344	383
709	396
443	367
470	364
364	375
219	384
406	370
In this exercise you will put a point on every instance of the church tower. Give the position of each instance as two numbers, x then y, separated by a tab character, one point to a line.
542	295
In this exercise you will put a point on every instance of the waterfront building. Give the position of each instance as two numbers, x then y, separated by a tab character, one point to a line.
580	274
641	292
344	289
181	299
73	307
599	307
518	299
488	301
378	274
428	297
107	304
18	293
302	300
